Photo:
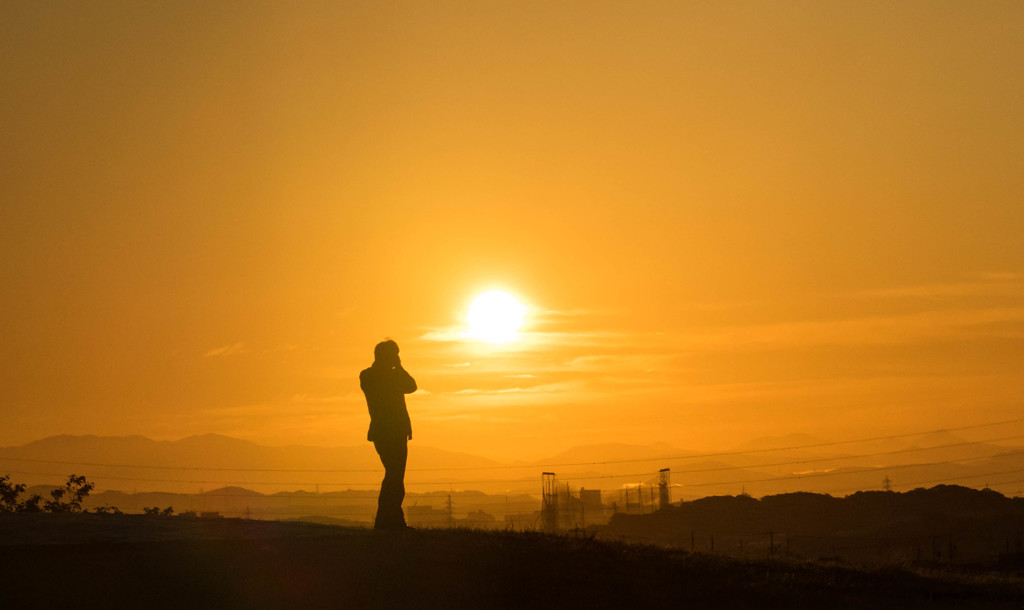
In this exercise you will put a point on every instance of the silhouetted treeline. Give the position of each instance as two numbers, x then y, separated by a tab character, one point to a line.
428	509
66	499
945	524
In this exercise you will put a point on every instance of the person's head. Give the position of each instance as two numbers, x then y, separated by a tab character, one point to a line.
386	352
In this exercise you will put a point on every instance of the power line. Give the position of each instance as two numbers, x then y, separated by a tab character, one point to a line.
197	482
496	499
860	455
202	468
588	478
594	477
956	478
849	472
532	466
791	448
938	463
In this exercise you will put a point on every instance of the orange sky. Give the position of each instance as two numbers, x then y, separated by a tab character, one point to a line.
729	219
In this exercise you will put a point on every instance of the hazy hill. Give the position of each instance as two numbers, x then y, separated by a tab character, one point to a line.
587	454
199	463
945	523
211	460
215	450
773	442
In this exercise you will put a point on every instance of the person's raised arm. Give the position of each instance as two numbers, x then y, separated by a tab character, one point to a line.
408	384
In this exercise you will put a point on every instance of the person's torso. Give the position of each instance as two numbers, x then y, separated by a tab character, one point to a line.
385	395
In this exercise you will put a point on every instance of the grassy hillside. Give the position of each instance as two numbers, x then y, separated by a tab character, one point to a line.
132	560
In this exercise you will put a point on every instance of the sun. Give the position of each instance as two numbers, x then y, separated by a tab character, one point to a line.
495	317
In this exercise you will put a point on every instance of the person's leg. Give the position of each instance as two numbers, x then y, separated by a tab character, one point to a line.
400	457
393	455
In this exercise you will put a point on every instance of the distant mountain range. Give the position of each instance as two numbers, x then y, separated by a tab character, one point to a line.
197	463
211	461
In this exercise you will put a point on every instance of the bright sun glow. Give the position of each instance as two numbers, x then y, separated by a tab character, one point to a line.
496	317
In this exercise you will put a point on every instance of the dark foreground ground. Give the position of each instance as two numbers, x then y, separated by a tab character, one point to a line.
134	561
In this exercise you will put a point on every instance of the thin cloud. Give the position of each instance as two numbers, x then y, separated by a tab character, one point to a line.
1003	276
515	390
894	387
571	361
533	339
872	330
549	327
233	349
314	399
503	396
988	284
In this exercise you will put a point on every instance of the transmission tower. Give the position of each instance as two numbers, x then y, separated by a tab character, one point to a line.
664	491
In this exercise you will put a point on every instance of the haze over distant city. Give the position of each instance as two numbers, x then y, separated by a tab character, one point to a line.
719	221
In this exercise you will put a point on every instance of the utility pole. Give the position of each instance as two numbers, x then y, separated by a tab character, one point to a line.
887	483
568	506
451	519
583	510
549	502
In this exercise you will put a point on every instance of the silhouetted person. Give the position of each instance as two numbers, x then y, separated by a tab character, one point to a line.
385	385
